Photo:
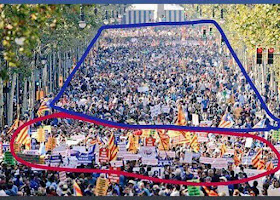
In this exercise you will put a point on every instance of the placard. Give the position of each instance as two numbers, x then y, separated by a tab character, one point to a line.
150	161
188	157
195	119
102	185
103	155
147	152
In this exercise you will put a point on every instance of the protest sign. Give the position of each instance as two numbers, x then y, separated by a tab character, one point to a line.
276	135
102	185
116	163
194	190
147	152
223	189
165	109
164	154
188	157
249	142
220	163
131	156
143	89
114	178
150	161
195	119
103	155
62	176
150	142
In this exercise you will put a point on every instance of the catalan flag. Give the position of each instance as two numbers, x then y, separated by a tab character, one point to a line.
181	119
261	165
43	109
77	189
237	157
226	121
194	143
257	158
223	150
113	148
14	126
164	140
133	143
24	139
269	166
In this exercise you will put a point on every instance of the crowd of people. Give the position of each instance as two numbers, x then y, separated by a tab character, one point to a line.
153	76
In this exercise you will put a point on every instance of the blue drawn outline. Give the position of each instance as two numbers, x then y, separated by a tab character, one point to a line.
170	127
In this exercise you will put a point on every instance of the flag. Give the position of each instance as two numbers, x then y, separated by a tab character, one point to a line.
43	109
194	143
113	148
237	157
164	140
132	143
269	166
24	139
223	150
181	119
261	165
210	192
226	121
14	126
257	158
77	189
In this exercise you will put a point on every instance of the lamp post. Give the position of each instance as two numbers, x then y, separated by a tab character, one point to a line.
82	23
106	18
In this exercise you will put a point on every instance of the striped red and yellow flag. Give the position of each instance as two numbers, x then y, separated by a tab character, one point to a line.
77	189
14	126
257	158
261	165
43	108
194	143
269	166
24	139
237	157
164	139
223	150
113	148
181	119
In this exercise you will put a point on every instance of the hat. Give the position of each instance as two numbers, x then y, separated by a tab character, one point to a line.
131	182
223	178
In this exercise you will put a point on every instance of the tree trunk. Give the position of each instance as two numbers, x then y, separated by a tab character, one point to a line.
32	91
11	100
1	104
24	99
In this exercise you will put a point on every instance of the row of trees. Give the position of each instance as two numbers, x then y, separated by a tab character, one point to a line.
32	33
247	26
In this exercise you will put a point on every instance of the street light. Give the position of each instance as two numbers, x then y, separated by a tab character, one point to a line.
106	18
82	23
43	60
20	41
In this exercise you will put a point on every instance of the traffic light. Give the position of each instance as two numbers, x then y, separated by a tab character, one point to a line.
222	41
210	31
259	56
204	33
270	56
222	13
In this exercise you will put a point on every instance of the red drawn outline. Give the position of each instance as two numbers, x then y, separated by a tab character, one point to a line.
159	180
